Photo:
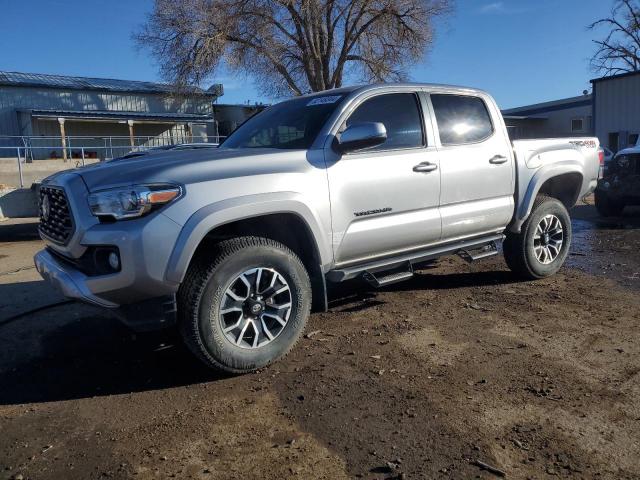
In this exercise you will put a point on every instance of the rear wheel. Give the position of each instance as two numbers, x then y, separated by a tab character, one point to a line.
244	304
542	245
606	206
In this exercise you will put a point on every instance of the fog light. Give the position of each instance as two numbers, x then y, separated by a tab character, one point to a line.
114	261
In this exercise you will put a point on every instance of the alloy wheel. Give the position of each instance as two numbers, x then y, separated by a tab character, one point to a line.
255	308
548	239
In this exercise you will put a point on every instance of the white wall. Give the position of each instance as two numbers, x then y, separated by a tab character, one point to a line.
617	108
553	124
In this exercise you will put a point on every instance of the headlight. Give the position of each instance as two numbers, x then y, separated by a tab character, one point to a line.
132	201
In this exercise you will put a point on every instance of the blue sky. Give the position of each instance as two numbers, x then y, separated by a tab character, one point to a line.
521	51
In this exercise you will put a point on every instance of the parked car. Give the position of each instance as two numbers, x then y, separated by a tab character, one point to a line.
621	183
176	146
196	145
235	245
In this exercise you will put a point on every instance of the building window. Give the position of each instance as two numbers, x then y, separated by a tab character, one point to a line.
577	125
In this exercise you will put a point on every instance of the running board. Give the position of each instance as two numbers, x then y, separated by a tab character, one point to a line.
389	277
419	256
470	256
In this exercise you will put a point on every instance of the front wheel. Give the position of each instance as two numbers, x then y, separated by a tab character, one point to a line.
244	303
542	245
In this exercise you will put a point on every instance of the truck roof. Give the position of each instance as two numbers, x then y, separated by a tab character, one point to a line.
381	86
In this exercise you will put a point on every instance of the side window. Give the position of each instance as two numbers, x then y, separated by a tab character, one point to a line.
461	119
400	114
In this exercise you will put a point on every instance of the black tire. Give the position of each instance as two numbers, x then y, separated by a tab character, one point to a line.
606	206
519	250
209	276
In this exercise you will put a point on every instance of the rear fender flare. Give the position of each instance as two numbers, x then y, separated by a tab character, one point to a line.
542	175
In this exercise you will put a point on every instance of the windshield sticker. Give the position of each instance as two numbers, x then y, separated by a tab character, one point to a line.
323	100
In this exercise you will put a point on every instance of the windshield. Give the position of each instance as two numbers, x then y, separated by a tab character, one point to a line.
293	124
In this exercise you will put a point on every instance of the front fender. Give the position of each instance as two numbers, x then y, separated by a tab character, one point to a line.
531	188
226	211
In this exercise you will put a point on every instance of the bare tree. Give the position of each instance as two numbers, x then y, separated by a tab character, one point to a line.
619	50
290	46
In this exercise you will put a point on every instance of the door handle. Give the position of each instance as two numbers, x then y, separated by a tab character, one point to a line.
498	159
425	167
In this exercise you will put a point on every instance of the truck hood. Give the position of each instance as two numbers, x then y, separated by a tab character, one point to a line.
185	167
628	151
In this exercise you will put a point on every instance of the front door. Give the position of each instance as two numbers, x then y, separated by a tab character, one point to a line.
385	200
476	164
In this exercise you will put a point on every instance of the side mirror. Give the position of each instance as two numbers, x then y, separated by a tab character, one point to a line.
362	135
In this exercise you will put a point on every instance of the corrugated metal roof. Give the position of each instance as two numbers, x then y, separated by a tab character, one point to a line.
118	115
613	77
19	79
554	105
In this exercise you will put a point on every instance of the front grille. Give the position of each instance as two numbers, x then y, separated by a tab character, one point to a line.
55	215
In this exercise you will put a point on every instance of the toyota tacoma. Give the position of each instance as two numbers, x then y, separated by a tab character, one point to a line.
236	245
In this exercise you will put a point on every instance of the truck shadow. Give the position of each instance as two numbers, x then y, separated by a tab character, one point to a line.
19	230
75	351
19	297
357	295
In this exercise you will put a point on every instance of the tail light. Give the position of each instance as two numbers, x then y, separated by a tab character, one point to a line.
602	165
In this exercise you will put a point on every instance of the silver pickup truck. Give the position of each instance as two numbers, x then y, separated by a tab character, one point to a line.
236	245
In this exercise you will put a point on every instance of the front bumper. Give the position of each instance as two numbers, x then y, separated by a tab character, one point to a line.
144	246
72	283
138	291
147	315
620	188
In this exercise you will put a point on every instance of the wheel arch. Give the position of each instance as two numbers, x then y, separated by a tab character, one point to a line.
287	221
563	181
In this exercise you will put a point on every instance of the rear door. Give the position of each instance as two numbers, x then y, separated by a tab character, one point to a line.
385	200
476	165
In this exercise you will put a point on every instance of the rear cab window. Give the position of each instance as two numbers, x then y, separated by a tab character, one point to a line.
461	119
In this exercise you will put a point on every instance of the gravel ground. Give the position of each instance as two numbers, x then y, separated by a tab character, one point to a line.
459	368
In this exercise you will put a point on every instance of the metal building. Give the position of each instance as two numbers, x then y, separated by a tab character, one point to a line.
616	110
568	117
96	113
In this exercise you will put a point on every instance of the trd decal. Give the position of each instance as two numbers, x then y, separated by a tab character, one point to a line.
373	212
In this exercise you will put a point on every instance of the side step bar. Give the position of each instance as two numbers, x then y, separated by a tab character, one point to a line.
479	253
388	277
399	262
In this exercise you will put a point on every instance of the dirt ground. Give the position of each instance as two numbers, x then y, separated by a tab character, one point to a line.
423	379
